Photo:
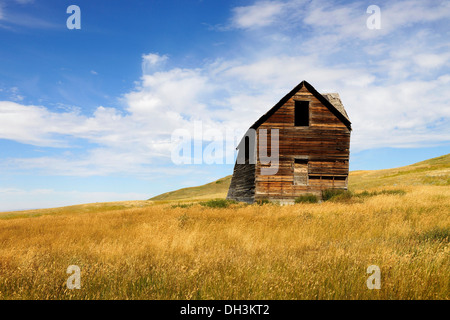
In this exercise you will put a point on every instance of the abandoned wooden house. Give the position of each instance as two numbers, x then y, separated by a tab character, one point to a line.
313	154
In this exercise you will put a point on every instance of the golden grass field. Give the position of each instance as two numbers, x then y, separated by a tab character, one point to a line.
169	249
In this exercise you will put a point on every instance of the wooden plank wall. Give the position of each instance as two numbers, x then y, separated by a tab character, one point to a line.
242	186
325	143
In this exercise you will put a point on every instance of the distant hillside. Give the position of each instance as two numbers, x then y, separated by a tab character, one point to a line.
434	171
215	189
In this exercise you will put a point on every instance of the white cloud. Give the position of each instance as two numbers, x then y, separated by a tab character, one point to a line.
151	61
397	116
24	1
32	124
258	15
431	60
173	90
350	19
332	22
406	13
13	18
14	94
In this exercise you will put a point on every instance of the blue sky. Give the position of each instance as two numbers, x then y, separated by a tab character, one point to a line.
87	115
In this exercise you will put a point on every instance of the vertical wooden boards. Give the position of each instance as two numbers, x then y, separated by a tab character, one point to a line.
242	186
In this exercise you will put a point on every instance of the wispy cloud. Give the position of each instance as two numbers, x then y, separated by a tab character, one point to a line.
344	19
24	1
432	60
15	94
258	15
12	17
152	62
28	21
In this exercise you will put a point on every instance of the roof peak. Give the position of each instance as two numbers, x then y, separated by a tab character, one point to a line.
331	100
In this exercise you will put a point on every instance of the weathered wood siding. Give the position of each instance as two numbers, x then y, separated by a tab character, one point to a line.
242	186
325	143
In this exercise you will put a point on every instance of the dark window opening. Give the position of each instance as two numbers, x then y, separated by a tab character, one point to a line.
247	149
302	161
301	113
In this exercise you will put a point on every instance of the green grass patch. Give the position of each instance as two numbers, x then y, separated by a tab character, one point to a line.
307	198
436	180
339	195
182	205
366	193
218	203
183	220
328	194
435	234
345	196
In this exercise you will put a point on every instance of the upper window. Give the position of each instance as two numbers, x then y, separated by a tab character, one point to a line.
301	114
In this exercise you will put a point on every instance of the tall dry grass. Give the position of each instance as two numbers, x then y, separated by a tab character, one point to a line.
305	251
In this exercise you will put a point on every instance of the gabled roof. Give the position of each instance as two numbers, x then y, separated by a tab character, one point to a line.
330	100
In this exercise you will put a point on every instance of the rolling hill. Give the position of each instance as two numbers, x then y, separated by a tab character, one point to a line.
215	189
435	171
